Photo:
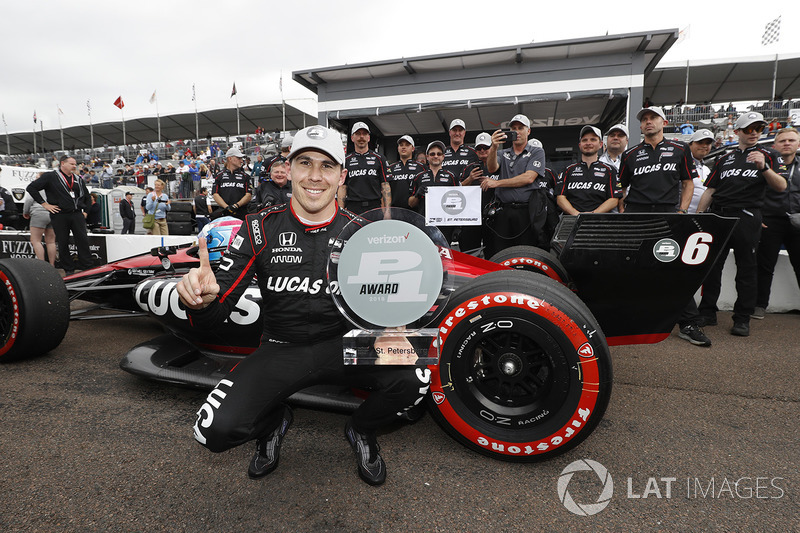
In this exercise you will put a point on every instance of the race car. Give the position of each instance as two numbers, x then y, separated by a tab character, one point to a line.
524	370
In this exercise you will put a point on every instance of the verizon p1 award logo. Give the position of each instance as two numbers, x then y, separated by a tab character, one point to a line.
390	273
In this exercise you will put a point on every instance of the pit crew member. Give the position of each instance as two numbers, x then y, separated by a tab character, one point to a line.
523	212
588	186
367	184
232	185
433	176
402	173
777	228
660	174
736	188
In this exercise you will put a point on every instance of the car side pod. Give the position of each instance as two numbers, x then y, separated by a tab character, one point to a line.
637	271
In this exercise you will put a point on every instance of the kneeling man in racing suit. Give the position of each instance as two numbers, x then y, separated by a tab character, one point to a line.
287	247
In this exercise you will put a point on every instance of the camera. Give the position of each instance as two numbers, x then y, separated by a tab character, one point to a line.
511	136
490	210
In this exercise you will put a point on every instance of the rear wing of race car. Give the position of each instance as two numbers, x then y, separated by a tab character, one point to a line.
636	272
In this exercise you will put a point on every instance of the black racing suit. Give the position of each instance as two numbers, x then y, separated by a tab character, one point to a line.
301	344
268	194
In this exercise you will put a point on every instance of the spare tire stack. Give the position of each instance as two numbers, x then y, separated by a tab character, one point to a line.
180	218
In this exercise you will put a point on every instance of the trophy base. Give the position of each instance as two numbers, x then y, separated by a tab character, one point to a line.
391	347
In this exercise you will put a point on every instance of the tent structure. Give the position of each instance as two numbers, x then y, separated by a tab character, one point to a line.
214	123
596	80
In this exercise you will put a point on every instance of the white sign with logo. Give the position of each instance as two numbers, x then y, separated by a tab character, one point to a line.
453	206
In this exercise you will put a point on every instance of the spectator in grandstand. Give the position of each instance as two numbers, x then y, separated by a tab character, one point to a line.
700	145
736	188
366	185
523	212
778	228
106	176
588	186
773	127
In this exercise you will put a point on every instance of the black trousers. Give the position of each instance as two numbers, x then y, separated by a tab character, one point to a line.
778	231
690	315
511	227
63	224
744	241
128	225
246	405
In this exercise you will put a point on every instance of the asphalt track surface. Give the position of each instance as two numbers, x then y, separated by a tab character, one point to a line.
87	447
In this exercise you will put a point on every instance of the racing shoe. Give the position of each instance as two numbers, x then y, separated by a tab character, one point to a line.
695	335
371	467
268	449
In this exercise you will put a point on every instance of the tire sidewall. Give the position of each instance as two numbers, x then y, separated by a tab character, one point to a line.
581	373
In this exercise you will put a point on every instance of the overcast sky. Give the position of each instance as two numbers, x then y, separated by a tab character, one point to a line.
61	54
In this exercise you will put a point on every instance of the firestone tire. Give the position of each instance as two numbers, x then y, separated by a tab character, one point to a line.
524	373
34	308
532	259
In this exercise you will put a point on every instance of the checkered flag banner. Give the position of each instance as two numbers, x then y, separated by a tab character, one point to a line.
772	32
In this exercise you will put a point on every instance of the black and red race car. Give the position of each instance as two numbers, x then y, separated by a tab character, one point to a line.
524	372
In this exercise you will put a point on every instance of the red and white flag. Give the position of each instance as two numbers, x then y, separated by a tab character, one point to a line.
233	91
119	103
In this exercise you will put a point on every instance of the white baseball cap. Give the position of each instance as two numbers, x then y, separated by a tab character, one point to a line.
234	152
594	130
287	142
406	138
359	126
483	139
701	135
652	109
745	119
522	119
619	127
457	122
318	138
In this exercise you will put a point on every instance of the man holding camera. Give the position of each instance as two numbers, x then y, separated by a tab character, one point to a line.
232	185
522	212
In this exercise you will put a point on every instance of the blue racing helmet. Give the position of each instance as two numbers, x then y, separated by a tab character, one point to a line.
218	235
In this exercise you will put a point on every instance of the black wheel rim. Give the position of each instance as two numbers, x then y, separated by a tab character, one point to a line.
513	372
